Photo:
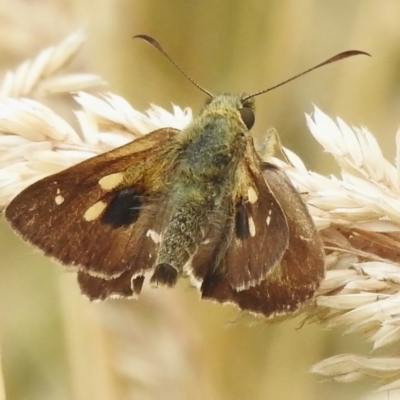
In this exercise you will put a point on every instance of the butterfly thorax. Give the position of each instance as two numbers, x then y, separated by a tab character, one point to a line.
212	145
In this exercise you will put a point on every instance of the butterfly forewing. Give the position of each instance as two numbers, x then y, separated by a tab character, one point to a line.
261	234
110	202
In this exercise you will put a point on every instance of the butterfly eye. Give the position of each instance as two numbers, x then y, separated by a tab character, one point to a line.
247	116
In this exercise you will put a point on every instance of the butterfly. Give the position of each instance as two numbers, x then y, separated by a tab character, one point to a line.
200	202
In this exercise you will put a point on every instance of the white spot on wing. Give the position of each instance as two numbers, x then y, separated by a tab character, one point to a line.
111	181
155	237
188	271
94	211
252	227
268	220
252	195
59	199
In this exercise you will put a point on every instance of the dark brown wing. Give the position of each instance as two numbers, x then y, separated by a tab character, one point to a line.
102	215
295	279
247	235
261	235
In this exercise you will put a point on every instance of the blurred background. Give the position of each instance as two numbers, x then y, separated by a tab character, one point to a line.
168	344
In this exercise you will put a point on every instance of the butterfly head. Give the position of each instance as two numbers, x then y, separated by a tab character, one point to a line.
234	105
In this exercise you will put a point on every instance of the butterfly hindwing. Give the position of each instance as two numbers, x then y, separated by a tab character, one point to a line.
294	280
126	285
74	213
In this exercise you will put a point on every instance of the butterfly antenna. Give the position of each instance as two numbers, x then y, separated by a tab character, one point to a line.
157	45
333	59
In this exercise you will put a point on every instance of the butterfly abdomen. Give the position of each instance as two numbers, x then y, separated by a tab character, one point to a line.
182	233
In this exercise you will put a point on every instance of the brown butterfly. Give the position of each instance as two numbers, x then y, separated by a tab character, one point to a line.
198	202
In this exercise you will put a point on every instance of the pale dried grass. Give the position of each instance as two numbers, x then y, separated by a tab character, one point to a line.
358	213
